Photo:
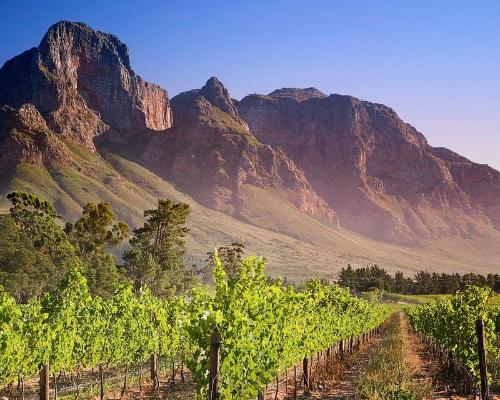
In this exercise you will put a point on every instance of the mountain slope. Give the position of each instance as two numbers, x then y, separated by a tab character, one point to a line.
210	154
322	252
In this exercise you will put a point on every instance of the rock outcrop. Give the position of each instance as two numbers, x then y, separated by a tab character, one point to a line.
82	83
378	173
210	154
25	138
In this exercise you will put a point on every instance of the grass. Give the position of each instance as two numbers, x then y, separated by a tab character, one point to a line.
411	298
38	180
388	375
217	117
421	298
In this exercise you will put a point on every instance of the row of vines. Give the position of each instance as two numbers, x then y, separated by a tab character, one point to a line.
265	327
450	322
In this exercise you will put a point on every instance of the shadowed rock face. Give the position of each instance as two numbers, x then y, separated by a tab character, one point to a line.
81	82
210	153
377	172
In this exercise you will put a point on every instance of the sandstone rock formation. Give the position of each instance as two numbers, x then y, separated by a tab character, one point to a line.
210	154
378	173
335	158
25	137
81	82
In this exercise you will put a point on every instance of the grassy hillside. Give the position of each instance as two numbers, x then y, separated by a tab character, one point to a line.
305	247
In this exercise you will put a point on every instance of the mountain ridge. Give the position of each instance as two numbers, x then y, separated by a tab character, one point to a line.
295	162
360	152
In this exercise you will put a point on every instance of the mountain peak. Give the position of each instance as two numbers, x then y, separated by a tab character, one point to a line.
81	35
82	83
215	82
216	93
66	24
298	94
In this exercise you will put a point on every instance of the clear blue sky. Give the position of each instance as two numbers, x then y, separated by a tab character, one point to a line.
437	63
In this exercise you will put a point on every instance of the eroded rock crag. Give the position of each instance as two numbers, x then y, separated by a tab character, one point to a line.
82	83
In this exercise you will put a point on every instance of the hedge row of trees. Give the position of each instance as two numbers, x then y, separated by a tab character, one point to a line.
364	279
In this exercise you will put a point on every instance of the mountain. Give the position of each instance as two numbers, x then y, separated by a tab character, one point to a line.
378	173
210	154
311	181
82	83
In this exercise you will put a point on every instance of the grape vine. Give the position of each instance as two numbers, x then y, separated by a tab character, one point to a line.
451	323
265	327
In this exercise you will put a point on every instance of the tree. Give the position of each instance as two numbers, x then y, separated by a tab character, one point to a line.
401	284
35	252
39	220
25	273
158	248
97	229
230	256
93	235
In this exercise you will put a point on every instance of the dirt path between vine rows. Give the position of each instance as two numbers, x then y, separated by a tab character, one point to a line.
343	386
423	366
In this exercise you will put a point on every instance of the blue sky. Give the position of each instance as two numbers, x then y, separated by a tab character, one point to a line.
437	63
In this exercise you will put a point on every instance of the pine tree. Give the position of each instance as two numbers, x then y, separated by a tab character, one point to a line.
156	256
40	253
93	235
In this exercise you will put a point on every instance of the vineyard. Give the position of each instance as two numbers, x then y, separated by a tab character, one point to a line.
450	326
264	328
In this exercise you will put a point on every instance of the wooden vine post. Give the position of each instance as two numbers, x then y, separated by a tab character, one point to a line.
44	382
483	369
305	369
294	381
215	343
153	369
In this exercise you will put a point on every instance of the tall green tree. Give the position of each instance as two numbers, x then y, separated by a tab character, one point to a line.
24	272
35	252
156	256
39	220
93	236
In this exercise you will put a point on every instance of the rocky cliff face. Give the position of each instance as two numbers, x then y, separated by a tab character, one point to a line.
81	82
377	172
211	154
